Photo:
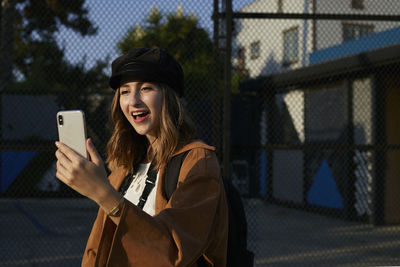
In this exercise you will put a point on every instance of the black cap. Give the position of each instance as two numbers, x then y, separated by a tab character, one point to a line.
150	65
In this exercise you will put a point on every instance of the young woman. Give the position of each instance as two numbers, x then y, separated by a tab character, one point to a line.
150	127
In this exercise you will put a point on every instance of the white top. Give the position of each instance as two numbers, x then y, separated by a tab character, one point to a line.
136	188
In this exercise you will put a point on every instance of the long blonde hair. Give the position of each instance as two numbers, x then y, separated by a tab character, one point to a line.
127	148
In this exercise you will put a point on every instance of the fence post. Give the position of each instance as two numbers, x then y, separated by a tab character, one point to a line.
378	181
217	76
227	90
349	187
6	42
6	57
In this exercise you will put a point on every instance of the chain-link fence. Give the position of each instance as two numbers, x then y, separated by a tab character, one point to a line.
301	94
313	129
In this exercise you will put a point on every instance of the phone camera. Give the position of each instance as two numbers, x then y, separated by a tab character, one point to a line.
60	120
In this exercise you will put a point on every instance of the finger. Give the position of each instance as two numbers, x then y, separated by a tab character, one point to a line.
61	176
62	159
61	169
68	152
94	155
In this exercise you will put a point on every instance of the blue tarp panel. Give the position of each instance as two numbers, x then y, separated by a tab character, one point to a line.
12	164
263	173
324	191
353	47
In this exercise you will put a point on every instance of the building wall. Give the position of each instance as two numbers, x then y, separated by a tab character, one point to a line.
329	33
322	33
270	35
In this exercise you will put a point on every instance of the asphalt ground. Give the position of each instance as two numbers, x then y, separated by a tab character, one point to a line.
53	232
44	232
288	237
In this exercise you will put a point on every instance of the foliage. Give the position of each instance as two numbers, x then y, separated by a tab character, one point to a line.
39	61
36	24
183	38
40	65
238	76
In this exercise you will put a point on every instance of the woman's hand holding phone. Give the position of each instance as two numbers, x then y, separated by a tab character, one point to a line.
87	177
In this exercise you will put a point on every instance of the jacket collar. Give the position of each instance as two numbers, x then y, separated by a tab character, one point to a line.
192	145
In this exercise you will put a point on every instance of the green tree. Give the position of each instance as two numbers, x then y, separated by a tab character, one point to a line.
39	65
182	36
39	62
36	23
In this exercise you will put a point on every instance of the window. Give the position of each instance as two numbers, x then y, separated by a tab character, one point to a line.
290	46
255	50
357	4
356	31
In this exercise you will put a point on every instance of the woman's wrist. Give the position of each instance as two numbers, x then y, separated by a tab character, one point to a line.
115	212
110	200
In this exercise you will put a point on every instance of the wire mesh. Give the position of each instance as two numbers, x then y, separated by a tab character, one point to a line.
319	130
314	154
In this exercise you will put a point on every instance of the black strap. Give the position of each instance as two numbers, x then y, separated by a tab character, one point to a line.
172	173
150	183
126	183
171	179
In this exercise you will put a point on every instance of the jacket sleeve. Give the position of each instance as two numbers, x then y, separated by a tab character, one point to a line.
178	234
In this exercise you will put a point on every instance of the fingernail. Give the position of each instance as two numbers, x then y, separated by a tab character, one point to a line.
57	144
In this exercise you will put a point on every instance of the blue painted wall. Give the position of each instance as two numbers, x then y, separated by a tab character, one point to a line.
324	191
12	164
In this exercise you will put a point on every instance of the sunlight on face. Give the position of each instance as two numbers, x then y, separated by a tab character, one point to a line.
141	104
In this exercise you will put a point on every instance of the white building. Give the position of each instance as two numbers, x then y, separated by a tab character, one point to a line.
268	46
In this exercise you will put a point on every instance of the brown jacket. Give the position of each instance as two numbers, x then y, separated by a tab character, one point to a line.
192	223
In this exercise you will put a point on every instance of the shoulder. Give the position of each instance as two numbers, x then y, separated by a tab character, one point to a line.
200	159
196	145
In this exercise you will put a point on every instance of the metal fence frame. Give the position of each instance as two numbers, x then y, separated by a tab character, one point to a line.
224	18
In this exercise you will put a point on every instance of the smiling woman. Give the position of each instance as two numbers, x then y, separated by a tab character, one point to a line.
137	224
141	104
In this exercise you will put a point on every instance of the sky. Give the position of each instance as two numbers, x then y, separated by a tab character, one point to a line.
114	18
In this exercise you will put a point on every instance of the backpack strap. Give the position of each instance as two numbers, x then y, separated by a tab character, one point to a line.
127	181
150	183
172	173
171	179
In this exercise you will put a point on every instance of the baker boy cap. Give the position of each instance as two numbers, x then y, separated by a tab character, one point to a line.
148	65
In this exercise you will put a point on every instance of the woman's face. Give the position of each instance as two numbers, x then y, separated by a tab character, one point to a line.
141	104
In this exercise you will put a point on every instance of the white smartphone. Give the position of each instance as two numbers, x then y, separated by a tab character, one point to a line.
72	130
